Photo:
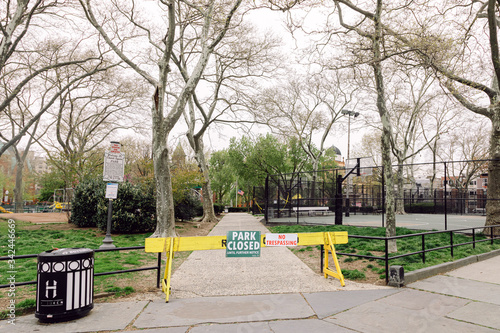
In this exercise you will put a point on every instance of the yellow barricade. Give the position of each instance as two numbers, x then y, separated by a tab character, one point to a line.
170	245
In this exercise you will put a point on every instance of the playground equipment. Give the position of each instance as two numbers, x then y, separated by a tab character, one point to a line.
3	210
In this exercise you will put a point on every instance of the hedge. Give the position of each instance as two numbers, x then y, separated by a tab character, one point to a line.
86	198
237	209
134	210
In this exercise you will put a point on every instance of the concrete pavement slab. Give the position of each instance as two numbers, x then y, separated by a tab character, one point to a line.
256	327
450	285
479	313
326	304
164	330
104	317
484	271
193	311
382	316
416	300
307	325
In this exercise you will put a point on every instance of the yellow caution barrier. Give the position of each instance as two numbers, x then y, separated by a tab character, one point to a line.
170	245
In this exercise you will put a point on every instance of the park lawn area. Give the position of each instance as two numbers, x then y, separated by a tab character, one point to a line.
373	270
36	238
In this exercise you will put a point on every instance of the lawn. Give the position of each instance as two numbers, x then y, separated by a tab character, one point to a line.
36	238
373	270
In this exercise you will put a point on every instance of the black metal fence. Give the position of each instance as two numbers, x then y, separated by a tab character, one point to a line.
157	267
447	189
487	230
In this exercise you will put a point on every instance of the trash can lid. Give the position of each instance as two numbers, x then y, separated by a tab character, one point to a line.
67	253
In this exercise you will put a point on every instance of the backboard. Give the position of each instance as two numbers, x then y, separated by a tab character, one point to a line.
366	165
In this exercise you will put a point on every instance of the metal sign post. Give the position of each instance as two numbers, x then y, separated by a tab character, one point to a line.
114	164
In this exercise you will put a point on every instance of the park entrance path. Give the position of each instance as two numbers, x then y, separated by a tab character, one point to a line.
276	271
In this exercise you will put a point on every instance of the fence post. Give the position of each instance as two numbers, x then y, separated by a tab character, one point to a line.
338	201
383	201
158	271
451	243
253	201
491	234
473	238
322	257
266	194
445	197
423	248
386	260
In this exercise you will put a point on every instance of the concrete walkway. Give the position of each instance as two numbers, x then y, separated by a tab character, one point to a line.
276	271
464	300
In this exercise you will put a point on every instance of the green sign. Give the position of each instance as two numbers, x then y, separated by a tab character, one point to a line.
243	244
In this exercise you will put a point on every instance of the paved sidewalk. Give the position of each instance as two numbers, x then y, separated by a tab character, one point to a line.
464	300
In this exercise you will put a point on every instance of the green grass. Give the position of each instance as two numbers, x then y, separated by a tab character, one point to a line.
120	291
45	238
406	245
353	274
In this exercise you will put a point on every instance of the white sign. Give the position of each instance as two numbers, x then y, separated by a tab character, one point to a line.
111	190
114	166
281	239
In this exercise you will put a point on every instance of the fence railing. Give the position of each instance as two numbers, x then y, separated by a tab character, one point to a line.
386	258
447	190
157	267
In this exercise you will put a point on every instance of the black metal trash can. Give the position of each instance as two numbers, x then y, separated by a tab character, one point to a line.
65	284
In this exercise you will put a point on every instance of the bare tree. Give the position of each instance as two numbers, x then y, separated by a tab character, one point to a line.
214	20
16	114
85	115
238	60
467	150
307	107
462	67
23	58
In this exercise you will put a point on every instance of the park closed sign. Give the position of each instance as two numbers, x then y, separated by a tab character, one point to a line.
243	244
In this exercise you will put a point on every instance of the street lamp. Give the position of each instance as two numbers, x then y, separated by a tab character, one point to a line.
349	114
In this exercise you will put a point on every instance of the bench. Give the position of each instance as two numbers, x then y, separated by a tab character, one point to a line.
311	211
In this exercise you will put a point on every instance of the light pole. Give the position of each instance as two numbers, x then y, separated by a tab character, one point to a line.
349	114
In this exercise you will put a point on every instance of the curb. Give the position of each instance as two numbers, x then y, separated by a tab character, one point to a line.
427	272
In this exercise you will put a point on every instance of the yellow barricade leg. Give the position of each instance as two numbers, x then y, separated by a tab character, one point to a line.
337	273
165	284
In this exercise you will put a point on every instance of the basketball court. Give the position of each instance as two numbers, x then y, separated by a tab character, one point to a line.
410	221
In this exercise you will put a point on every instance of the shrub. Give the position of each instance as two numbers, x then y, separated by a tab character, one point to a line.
86	198
218	209
424	208
134	210
237	209
187	208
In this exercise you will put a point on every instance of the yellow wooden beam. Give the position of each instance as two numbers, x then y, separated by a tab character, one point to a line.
171	245
219	242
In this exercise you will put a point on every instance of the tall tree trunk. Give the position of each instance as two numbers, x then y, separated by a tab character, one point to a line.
208	205
386	129
165	214
400	204
18	191
493	204
314	180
